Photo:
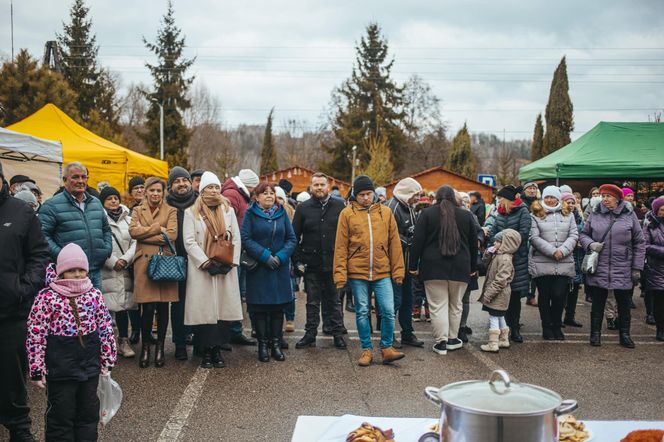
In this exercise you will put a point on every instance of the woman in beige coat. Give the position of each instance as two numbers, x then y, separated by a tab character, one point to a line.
213	290
149	222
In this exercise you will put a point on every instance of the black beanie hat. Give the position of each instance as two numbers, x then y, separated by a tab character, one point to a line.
175	173
362	183
18	179
136	181
509	192
197	173
286	185
107	192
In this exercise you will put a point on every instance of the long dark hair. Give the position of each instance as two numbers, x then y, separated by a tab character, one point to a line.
449	241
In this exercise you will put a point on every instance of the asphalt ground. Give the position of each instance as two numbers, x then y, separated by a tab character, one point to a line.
256	401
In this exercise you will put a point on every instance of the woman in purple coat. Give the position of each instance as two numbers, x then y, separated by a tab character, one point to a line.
654	233
614	232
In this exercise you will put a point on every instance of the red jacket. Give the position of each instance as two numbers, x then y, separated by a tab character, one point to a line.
238	197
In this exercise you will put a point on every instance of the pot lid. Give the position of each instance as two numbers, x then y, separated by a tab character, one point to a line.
499	396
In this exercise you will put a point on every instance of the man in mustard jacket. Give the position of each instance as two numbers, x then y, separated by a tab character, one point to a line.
368	255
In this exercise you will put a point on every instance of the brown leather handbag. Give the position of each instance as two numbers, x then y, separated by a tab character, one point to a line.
221	249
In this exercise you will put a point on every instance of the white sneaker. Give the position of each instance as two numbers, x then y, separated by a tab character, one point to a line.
124	348
440	348
454	344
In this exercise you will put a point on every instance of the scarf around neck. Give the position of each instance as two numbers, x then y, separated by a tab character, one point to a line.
114	214
181	202
71	288
551	209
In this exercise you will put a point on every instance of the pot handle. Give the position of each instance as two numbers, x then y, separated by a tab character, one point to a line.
431	393
567	406
500	374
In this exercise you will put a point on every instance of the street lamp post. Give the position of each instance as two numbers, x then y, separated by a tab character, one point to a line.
161	128
352	180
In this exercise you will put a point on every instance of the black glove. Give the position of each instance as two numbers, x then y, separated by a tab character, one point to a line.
273	263
216	268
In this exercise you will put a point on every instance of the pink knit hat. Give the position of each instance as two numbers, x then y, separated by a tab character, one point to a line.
568	196
71	257
627	191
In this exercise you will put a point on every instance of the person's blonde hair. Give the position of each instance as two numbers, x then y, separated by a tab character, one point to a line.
537	209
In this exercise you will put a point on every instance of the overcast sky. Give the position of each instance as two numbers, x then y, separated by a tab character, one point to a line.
491	62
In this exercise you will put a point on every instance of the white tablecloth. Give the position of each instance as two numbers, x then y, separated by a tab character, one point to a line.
335	429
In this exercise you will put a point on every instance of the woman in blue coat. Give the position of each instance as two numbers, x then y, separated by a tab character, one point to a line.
268	237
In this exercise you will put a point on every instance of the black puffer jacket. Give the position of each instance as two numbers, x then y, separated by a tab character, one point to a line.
479	210
24	255
518	219
406	219
315	227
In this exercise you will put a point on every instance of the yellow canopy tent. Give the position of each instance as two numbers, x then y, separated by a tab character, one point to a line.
106	161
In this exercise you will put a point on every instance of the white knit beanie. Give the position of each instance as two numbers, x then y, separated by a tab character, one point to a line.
248	178
303	196
281	193
208	178
406	189
551	191
565	189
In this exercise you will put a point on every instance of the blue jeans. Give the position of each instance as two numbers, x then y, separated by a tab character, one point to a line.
385	298
95	278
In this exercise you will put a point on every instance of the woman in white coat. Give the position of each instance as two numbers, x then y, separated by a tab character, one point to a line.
213	290
117	282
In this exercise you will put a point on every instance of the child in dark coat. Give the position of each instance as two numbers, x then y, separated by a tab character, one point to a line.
70	343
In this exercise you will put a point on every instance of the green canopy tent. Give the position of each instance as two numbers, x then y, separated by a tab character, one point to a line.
630	151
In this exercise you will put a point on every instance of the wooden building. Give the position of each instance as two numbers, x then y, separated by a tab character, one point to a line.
300	178
432	179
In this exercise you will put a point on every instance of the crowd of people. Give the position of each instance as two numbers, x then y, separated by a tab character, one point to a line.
78	269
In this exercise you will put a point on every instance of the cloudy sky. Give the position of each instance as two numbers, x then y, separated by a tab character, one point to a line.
490	62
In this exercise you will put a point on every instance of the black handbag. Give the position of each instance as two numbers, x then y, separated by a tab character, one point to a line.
247	261
167	268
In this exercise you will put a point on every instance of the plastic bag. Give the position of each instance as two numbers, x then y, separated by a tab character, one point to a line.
110	398
589	264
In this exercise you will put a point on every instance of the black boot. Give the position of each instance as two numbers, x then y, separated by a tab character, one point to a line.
275	348
596	330
572	322
159	359
625	338
135	336
22	434
660	334
547	333
144	360
206	362
263	353
181	353
515	335
217	360
306	341
283	344
413	341
339	342
241	339
558	334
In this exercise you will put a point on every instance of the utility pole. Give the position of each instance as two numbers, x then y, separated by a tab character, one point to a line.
161	127
354	164
11	14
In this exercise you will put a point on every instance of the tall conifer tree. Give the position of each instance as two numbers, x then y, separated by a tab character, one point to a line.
461	158
268	152
368	104
538	139
559	112
169	89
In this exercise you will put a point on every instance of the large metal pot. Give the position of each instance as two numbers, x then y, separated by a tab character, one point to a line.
481	411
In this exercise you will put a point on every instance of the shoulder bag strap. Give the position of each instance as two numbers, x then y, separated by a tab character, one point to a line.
609	229
170	244
118	243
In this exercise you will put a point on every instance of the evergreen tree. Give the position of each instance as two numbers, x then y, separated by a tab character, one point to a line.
268	152
169	89
380	168
559	112
538	139
368	104
97	101
461	159
26	87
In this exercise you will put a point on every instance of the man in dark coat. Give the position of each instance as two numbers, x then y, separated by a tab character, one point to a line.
315	226
23	259
181	195
478	207
76	215
406	193
514	214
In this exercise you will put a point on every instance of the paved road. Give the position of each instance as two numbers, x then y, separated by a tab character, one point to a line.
254	401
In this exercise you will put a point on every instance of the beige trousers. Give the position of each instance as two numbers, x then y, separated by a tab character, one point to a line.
445	303
611	308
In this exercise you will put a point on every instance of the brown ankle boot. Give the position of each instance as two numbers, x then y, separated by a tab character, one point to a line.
390	355
366	358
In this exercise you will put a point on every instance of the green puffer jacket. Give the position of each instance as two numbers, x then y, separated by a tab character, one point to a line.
63	222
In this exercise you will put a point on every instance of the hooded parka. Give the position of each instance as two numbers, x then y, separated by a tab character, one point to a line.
500	272
118	285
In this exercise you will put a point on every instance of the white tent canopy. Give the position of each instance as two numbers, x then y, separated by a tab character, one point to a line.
35	157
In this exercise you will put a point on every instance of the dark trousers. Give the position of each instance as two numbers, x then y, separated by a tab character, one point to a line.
212	335
269	323
622	300
658	307
465	307
552	291
572	299
419	294
14	410
147	316
403	305
649	301
513	315
532	293
122	320
73	410
322	298
180	330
